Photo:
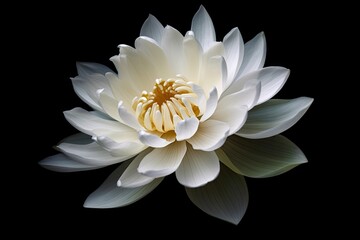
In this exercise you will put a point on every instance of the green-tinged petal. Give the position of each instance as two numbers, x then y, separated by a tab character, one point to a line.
263	157
62	163
225	198
109	195
274	117
226	161
92	154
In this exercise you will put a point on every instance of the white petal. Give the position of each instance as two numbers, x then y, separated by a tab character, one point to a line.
163	161
91	154
109	104
234	52
210	135
203	28
123	86
198	168
86	92
172	44
91	78
211	104
109	195
200	101
131	178
153	140
152	28
192	58
155	56
211	74
127	117
78	138
254	55
91	124
225	198
272	80
216	49
186	128
234	115
274	117
248	96
122	147
88	68
62	163
140	73
263	157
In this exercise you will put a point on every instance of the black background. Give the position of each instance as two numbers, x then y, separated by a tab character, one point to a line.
55	36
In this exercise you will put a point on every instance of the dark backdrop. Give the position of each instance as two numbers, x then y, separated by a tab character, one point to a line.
299	202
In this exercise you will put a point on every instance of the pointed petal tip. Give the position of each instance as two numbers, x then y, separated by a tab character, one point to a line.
118	183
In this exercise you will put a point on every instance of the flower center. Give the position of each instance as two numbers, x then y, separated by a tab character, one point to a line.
170	101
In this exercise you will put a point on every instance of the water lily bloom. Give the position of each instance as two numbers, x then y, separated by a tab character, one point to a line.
183	104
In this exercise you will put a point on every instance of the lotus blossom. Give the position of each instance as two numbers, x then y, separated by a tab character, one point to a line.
183	104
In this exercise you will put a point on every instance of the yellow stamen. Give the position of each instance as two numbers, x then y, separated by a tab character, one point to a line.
170	101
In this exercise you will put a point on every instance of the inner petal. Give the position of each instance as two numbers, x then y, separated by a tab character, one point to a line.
169	102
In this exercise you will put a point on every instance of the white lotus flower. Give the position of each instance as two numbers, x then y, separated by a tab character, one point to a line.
184	104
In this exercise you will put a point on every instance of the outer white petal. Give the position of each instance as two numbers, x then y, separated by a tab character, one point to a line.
91	154
152	28
272	79
122	148
234	115
225	198
78	138
153	140
109	195
254	55
198	168
203	28
92	124
248	96
210	135
86	92
274	117
163	161
62	163
263	157
131	178
91	78
186	128
109	104
172	44
234	52
88	68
